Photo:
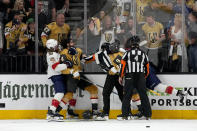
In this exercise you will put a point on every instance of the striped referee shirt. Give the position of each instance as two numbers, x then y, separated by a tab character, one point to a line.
134	60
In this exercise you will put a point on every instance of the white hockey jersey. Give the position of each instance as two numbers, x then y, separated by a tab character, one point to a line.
54	66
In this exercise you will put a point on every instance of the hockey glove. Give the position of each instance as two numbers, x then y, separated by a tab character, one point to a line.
69	64
112	71
75	74
64	60
87	114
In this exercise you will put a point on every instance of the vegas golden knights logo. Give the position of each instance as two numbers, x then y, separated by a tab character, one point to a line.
118	10
61	37
75	60
108	37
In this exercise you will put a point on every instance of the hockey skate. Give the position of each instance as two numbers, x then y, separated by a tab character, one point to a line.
182	95
95	114
138	115
122	117
102	117
71	114
52	116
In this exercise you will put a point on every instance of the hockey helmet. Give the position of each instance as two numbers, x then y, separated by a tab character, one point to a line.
114	47
51	44
132	41
72	51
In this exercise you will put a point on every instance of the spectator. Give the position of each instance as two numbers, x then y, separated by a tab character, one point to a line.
93	39
141	4
58	30
109	31
4	7
175	52
123	10
62	6
120	30
29	37
178	8
192	36
153	32
13	30
19	5
49	9
29	5
42	18
101	17
129	30
162	10
140	14
93	31
190	5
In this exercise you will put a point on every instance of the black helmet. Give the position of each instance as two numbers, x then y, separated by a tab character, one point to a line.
132	41
114	47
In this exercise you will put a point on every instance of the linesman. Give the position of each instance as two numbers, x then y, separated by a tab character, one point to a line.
135	68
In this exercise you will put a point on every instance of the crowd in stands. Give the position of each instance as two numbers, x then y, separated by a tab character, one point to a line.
157	21
160	22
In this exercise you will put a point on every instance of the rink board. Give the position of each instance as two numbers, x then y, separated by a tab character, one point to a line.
28	97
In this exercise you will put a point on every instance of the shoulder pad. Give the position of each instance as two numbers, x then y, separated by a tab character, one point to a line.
9	24
64	51
122	50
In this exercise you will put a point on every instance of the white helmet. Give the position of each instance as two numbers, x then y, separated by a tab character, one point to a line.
51	43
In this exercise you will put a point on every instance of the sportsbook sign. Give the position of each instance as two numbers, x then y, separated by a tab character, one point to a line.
34	92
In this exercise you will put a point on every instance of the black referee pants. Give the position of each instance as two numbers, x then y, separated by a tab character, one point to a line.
135	80
110	82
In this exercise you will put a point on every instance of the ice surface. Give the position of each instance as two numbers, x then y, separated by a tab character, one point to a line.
111	125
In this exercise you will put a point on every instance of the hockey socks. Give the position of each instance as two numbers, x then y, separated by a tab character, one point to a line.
56	101
72	103
94	101
63	104
166	89
171	90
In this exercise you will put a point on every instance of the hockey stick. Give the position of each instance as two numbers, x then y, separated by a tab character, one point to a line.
96	84
115	92
154	92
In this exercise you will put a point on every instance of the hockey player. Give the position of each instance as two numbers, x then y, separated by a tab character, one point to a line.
75	80
109	59
54	73
134	67
154	83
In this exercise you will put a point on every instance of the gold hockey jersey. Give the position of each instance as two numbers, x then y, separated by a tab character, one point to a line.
53	31
141	4
12	35
116	59
75	59
152	32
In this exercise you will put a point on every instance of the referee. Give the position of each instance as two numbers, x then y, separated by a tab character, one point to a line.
135	68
